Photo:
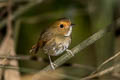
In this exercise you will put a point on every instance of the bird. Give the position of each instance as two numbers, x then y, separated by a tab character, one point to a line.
55	39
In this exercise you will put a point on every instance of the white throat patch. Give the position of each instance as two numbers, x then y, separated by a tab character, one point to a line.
69	32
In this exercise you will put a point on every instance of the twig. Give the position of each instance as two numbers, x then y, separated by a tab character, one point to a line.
10	74
106	61
20	11
16	0
9	21
19	57
3	4
108	70
21	69
87	67
62	76
78	48
26	70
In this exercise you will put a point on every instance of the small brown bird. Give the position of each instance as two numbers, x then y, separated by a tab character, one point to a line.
55	39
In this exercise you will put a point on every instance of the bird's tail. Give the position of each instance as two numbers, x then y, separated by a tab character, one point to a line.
34	49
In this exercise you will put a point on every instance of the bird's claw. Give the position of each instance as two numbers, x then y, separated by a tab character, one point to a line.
52	65
69	51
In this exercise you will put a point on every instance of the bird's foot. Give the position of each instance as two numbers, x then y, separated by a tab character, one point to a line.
52	65
70	52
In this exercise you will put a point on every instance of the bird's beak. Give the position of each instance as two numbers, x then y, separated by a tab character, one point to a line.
72	24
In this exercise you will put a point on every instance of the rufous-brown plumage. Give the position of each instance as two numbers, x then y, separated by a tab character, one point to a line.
55	39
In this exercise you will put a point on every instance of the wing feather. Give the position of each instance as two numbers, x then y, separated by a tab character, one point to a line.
44	38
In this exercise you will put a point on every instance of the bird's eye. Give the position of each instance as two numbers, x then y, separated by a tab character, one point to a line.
61	25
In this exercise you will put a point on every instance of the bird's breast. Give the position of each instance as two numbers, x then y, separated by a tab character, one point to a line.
61	45
58	46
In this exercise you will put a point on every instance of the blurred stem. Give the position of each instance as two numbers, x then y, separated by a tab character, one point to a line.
9	24
16	0
106	62
19	57
17	68
20	11
17	30
101	73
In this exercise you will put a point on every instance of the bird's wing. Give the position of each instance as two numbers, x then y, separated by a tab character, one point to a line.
44	38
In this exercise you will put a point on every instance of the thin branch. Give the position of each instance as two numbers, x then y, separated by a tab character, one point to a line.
106	61
26	70
16	0
58	74
10	74
108	70
94	74
87	67
20	11
3	4
78	48
9	21
19	57
21	69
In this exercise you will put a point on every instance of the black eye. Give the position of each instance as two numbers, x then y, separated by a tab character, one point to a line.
61	25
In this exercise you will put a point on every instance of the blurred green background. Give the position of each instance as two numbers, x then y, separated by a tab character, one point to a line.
89	16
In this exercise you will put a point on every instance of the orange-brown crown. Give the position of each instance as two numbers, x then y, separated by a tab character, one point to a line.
65	21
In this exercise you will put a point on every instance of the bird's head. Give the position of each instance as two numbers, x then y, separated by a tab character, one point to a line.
62	26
